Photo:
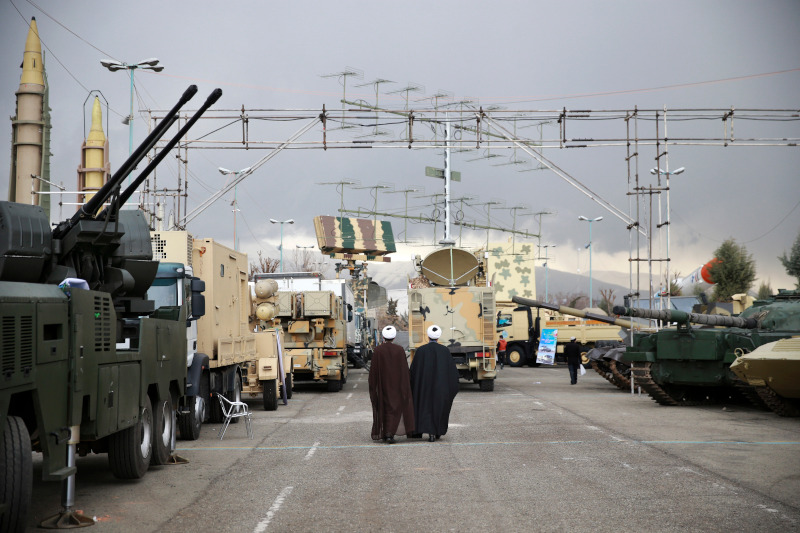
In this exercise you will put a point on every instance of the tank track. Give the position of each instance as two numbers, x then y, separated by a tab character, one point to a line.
778	404
749	393
643	379
603	370
622	381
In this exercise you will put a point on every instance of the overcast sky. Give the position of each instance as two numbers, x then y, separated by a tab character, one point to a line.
521	55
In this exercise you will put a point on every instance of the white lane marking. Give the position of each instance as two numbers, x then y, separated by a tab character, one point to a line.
349	396
339	410
617	438
355	385
593	427
540	404
311	451
276	505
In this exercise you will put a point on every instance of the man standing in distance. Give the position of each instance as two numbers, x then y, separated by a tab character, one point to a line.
390	390
572	351
434	385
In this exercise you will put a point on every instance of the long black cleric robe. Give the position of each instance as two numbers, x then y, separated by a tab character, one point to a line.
434	385
390	392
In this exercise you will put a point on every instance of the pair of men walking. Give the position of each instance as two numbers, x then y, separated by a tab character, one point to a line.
416	400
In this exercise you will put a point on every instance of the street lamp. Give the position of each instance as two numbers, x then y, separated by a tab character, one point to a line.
589	246
546	246
145	64
282	222
236	173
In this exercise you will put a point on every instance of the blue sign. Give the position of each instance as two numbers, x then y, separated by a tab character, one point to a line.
546	354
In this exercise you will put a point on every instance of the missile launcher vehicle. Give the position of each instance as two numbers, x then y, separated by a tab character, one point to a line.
691	362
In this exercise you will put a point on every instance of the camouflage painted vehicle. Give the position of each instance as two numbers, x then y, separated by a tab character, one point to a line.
466	313
773	369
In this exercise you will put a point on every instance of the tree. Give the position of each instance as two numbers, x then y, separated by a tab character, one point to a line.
764	291
674	288
607	301
734	272
792	262
263	265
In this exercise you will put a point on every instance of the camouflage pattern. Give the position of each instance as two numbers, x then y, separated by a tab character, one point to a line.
511	270
354	237
466	316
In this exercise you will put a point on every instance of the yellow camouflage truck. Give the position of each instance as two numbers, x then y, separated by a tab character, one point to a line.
452	292
226	354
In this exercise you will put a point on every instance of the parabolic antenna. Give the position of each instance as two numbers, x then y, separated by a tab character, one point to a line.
450	266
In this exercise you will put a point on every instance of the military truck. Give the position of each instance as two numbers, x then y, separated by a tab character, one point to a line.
88	363
452	292
224	354
314	324
523	325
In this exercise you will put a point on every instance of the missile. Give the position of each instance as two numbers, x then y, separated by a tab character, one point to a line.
28	126
95	169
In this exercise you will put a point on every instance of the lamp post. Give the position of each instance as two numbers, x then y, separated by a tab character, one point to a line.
306	263
667	174
282	222
236	173
590	220
546	246
145	64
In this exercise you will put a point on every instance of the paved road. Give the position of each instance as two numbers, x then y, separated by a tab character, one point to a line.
534	455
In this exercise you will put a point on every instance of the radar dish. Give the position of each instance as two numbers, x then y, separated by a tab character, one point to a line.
450	266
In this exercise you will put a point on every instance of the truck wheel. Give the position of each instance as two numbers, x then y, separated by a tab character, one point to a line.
236	394
289	385
162	432
515	357
270	396
189	423
129	450
16	467
486	385
334	385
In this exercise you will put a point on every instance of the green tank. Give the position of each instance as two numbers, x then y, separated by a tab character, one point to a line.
689	363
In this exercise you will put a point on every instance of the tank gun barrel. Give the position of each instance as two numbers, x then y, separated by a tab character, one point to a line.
127	193
563	309
91	207
681	317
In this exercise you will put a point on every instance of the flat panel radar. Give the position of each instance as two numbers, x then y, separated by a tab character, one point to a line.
344	235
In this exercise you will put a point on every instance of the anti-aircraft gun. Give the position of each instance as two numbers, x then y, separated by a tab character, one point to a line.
88	363
603	354
690	363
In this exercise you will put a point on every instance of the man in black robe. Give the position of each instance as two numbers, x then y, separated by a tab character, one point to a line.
572	351
390	390
434	385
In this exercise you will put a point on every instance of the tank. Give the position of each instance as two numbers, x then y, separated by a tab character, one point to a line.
773	370
690	363
602	353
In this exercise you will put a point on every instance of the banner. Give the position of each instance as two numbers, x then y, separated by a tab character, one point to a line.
546	353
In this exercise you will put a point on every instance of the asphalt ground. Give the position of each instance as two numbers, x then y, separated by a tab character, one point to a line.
537	454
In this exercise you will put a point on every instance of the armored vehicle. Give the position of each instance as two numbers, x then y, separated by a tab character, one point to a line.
689	363
88	363
590	329
773	369
460	302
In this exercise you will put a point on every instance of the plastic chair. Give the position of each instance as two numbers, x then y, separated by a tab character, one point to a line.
231	410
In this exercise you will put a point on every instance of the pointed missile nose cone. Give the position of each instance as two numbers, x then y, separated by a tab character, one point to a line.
96	135
32	67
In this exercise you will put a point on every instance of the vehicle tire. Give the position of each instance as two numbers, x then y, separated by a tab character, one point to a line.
190	423
214	408
333	385
16	475
515	357
129	450
289	385
162	432
486	385
270	395
235	395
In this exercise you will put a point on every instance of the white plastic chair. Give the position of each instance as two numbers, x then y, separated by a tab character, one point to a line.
231	410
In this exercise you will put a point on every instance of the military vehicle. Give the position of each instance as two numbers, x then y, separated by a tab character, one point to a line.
459	301
224	354
523	328
688	364
314	325
88	363
773	369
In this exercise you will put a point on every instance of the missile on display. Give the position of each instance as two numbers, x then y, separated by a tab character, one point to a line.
94	169
30	126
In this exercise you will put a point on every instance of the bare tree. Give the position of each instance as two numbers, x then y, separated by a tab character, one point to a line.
263	264
607	301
